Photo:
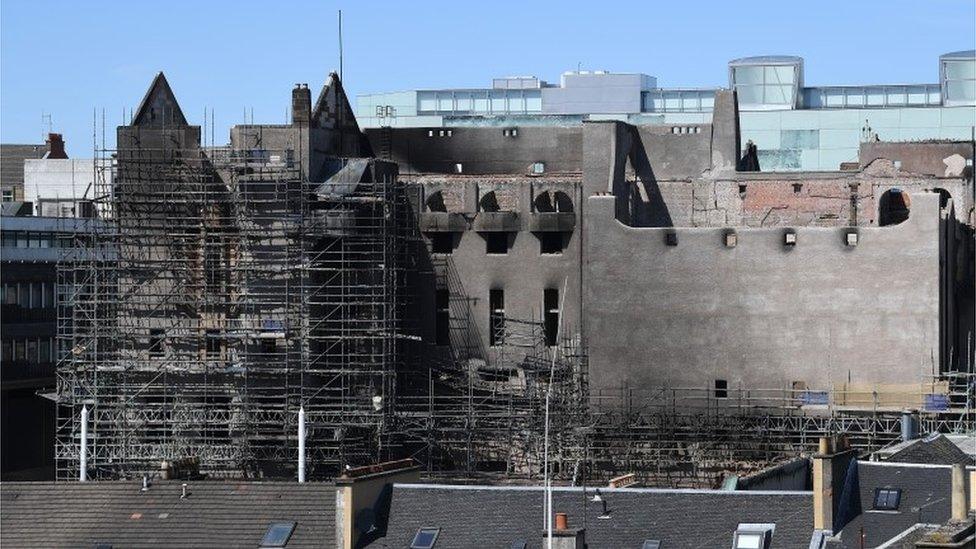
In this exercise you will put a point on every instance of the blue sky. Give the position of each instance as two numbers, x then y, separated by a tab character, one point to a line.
67	58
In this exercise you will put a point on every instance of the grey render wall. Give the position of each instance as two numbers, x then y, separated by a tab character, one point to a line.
761	315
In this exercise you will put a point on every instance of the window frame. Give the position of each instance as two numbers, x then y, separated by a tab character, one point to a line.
436	531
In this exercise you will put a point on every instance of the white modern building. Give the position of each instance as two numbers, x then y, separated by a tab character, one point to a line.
795	126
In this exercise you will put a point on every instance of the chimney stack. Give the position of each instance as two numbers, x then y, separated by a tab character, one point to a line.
836	498
301	105
959	507
564	537
55	146
909	425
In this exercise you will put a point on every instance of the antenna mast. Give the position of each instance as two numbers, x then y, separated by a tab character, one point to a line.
340	45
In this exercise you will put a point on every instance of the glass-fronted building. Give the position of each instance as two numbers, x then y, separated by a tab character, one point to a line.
795	127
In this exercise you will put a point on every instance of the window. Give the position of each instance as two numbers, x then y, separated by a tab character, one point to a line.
6	350
671	238
887	499
753	536
442	317
156	342
278	534
538	168
442	243
789	238
496	243
550	298
551	243
214	344
651	544
721	388
496	317
269	345
425	538
8	195
32	351
10	294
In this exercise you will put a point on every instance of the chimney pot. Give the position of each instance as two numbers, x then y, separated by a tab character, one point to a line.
562	522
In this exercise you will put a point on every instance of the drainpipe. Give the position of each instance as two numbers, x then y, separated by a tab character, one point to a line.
301	444
83	461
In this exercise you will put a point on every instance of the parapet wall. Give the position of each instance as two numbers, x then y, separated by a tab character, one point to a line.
761	314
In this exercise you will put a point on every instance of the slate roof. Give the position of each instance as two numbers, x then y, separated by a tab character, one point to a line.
925	498
481	516
12	158
936	449
216	514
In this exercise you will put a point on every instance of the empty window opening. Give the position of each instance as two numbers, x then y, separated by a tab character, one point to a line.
442	317
893	207
551	243
887	499
435	202
797	187
550	299
214	344
496	317
269	345
742	191
156	342
489	202
721	388
553	201
441	243
496	243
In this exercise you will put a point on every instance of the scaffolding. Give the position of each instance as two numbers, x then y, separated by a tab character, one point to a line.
220	292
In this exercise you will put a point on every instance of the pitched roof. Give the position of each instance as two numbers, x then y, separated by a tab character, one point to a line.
215	514
12	156
925	498
159	106
936	449
483	516
332	108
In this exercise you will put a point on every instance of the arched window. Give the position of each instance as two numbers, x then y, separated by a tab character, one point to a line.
435	202
553	201
893	208
489	202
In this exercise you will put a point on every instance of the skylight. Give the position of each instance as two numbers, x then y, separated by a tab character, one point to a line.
278	534
753	536
651	544
425	538
887	499
519	544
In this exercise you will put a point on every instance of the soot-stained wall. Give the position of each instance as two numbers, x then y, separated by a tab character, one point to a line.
760	314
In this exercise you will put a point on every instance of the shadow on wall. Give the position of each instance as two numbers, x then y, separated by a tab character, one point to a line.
647	205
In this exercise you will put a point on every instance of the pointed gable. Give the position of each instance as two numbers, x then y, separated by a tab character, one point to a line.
159	106
332	109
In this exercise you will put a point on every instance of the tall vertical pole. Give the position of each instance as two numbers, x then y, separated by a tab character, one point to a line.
301	444
83	461
340	45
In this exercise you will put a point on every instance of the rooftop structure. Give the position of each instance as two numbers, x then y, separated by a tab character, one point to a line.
794	125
